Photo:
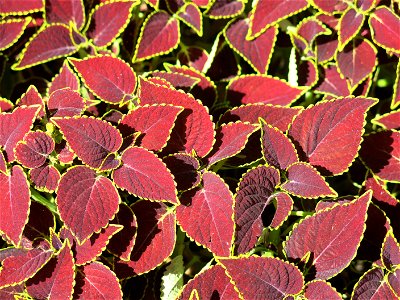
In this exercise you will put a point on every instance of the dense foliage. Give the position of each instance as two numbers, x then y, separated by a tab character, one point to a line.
200	149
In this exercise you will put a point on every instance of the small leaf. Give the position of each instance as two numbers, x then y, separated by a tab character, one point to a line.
366	5
349	25
14	202
332	82
91	139
326	47
194	57
328	233
206	213
5	105
86	201
64	153
251	89
284	206
274	278
16	269
319	289
172	280
190	14
11	30
322	133
310	28
388	121
65	11
394	282
109	78
305	181
396	89
256	52
96	281
56	279
45	178
373	285
32	97
65	103
144	175
390	254
159	26
383	23
185	170
64	79
225	9
33	150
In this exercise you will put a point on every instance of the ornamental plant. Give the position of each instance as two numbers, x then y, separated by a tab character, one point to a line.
170	149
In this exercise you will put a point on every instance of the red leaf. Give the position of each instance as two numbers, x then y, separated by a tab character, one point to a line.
390	254
277	148
394	282
284	206
64	79
108	20
319	289
109	78
396	88
373	285
208	283
38	226
65	11
305	181
45	178
155	240
159	26
326	47
178	80
5	105
185	170
261	89
14	203
327	233
225	9
275	115
252	197
257	52
332	83
56	279
144	175
205	214
11	30
50	42
8	293
154	123
14	126
92	247
230	139
384	24
389	121
64	153
20	7
349	25
381	153
269	12
16	269
190	14
32	97
194	130
96	281
328	134
272	277
86	201
65	103
201	3
33	150
330	7
357	61
366	5
122	242
310	28
91	139
3	163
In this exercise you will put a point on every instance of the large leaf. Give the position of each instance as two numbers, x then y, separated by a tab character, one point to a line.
86	201
11	30
206	214
261	89
108	77
159	35
155	240
56	279
269	12
257	52
194	129
328	134
91	139
270	277
384	24
108	20
331	237
14	202
154	122
252	197
373	285
65	11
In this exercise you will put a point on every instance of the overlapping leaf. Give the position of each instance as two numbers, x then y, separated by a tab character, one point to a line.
65	103
284	206
185	168
191	15
319	289
390	254
33	150
32	97
332	82
349	25
65	11
45	178
178	80
11	30
64	79
389	121
20	7
383	23
373	285
225	9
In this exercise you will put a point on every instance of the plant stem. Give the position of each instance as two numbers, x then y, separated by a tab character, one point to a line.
39	198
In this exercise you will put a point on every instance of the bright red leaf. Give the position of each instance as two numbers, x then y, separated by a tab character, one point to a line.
389	121
32	97
384	24
332	82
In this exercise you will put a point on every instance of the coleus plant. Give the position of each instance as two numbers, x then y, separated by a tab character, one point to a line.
199	150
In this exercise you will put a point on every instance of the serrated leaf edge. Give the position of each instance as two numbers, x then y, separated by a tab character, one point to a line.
26	21
219	17
182	9
343	43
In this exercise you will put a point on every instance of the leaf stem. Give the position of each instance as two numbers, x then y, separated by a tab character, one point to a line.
39	198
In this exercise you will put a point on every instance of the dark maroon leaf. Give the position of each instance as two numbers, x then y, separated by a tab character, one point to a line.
190	14
65	103
178	80
86	201
327	233
64	153
65	11
256	52
322	136
155	240
251	89
5	105
20	7
3	163
384	23
319	289
307	72
33	150
11	30
8	293
113	116
56	279
326	47
310	28
252	197
109	78
390	255
14	202
91	139
193	57
225	9
64	79
184	167
394	281
366	5
211	282
284	205
373	285
332	83
206	214
271	276
349	25
108	20
159	26
268	12
388	121
381	153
